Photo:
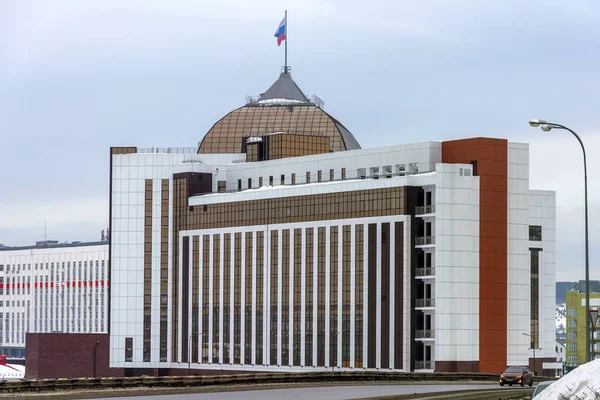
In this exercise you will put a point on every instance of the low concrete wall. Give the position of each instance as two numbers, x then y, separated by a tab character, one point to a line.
46	385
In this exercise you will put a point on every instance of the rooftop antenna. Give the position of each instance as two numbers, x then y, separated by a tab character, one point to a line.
282	35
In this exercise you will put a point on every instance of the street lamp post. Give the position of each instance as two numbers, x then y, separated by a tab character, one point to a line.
547	127
532	348
332	362
190	352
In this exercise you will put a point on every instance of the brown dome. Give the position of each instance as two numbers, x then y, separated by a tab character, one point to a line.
281	109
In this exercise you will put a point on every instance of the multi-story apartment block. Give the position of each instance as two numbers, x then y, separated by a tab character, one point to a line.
280	245
577	316
52	287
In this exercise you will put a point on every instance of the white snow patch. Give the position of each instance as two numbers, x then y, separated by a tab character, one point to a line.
578	383
560	315
280	101
254	139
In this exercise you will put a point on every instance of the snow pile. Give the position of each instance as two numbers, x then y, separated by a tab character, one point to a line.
581	383
560	315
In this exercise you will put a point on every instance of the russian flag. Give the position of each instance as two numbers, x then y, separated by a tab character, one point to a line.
280	33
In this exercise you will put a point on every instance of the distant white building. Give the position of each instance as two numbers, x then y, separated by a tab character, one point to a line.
560	351
52	287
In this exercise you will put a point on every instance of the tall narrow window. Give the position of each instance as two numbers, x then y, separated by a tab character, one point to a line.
249	183
535	233
239	184
293	179
535	311
128	349
308	177
319	176
283	179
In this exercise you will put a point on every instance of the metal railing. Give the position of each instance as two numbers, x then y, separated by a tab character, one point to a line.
424	334
421	240
168	150
288	184
423	364
425	302
424	209
425	271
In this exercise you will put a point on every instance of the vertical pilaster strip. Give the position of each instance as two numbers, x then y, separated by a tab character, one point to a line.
353	295
195	297
232	348
185	298
206	299
297	284
211	302
304	310
147	270
164	270
243	302
371	327
345	301
226	308
254	287
327	331
384	298
399	293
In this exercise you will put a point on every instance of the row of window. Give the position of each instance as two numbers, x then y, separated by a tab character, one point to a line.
17	267
374	172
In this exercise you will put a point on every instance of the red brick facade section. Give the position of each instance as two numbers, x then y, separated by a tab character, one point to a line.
67	355
491	156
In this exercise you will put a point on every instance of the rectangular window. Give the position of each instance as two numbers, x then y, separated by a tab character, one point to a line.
128	349
319	176
293	179
573	346
572	359
260	180
308	177
249	183
239	184
572	312
374	172
361	173
572	323
343	173
535	233
387	170
271	180
400	169
331	174
283	179
572	335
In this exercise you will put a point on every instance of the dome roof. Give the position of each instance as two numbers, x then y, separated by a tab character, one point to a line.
283	108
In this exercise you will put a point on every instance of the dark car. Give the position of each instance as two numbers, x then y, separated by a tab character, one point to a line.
516	375
541	387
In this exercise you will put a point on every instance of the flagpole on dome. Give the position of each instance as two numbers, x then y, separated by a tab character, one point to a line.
285	68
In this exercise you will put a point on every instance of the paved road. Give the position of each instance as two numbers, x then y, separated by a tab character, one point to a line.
314	393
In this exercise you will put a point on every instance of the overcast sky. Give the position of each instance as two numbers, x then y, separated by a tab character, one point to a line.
77	77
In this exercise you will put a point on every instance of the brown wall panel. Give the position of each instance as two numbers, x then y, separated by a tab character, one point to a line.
68	355
491	156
